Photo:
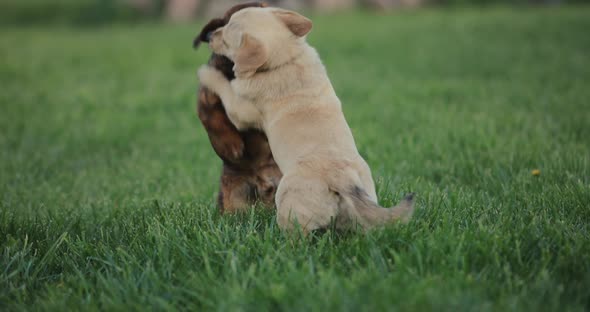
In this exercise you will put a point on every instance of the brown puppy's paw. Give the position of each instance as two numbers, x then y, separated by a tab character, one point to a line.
230	147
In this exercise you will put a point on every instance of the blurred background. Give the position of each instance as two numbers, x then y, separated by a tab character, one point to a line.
108	182
89	12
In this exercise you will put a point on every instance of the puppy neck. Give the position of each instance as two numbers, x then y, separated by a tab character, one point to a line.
285	54
269	67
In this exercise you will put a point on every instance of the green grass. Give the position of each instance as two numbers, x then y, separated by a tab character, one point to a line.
107	179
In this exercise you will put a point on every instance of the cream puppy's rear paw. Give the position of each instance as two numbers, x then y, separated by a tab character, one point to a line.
210	77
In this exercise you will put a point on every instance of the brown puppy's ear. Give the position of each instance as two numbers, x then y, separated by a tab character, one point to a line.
249	57
216	23
212	26
241	6
298	24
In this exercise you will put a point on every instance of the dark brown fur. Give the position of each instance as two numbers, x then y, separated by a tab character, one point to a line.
250	173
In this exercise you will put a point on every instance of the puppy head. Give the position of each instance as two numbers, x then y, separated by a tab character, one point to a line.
260	37
216	23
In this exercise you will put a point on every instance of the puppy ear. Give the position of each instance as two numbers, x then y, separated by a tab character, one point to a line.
241	6
249	57
298	24
212	26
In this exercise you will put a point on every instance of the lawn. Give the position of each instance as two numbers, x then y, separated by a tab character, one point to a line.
108	181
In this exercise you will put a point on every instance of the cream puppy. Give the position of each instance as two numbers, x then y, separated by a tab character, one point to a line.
281	87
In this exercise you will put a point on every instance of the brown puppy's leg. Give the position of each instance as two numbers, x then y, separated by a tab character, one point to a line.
249	171
224	137
236	193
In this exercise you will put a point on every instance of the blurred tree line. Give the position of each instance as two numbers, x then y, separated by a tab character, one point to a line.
92	12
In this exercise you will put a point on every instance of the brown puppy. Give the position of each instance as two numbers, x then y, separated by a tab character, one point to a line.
250	173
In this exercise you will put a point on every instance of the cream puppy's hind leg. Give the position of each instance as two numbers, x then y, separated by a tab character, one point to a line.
305	201
366	178
242	113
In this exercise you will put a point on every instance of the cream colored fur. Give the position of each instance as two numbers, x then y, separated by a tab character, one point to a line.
281	87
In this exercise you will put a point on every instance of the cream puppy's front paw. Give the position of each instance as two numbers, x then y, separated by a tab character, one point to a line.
211	78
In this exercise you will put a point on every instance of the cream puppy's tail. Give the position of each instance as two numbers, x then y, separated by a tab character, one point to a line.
360	209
